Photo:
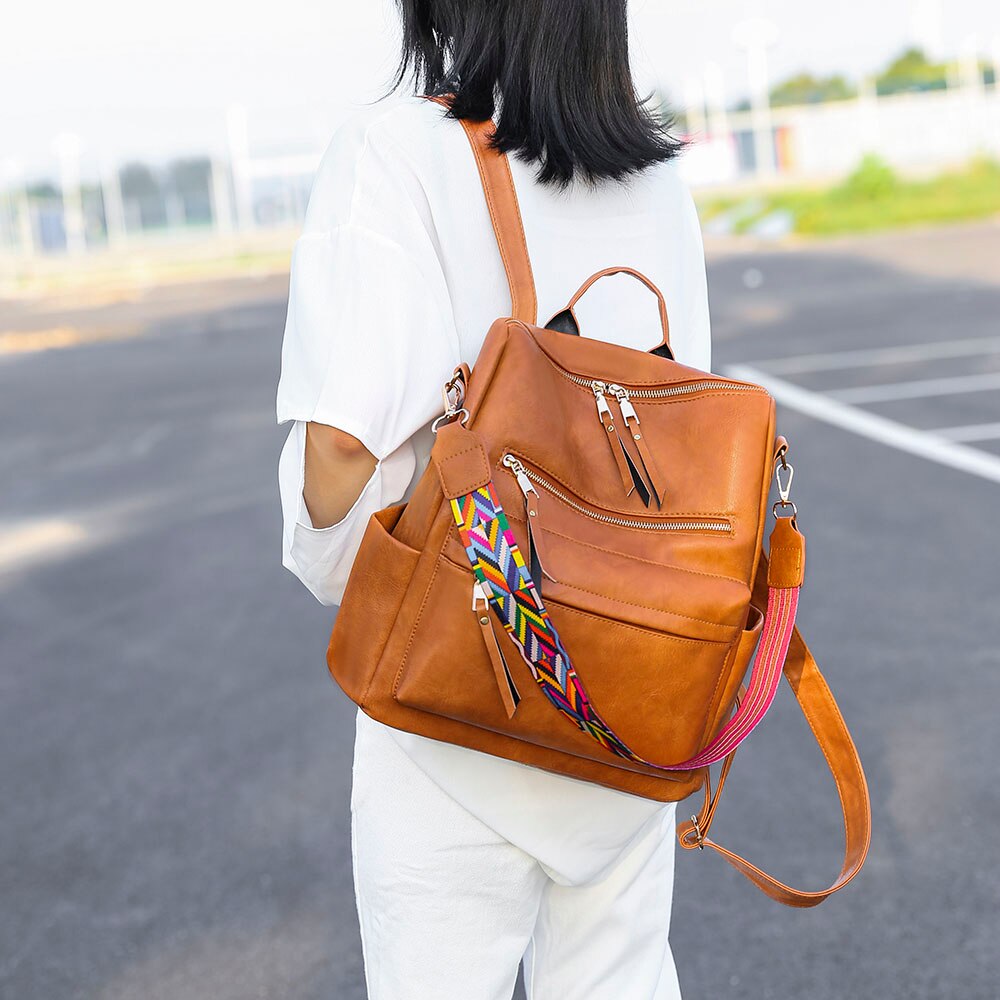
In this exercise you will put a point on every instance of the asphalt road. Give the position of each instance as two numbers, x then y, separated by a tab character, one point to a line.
176	762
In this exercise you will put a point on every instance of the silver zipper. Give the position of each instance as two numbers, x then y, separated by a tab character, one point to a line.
673	390
525	474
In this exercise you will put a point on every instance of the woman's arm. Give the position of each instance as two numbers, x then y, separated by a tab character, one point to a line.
337	467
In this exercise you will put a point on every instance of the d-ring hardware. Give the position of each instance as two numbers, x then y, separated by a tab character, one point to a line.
462	414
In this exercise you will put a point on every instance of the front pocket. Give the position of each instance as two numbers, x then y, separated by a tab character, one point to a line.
375	589
658	691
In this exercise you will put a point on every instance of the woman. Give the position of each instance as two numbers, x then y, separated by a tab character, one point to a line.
464	863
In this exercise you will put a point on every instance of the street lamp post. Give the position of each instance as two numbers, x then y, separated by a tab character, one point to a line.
756	35
67	148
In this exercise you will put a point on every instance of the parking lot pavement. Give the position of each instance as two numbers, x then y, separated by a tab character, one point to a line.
177	764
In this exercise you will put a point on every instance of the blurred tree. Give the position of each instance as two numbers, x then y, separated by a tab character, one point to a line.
871	180
191	180
911	71
43	189
141	195
804	88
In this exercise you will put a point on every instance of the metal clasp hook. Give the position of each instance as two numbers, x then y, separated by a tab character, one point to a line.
453	395
784	488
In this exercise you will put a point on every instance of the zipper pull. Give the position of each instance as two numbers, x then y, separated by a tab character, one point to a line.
509	694
635	436
516	466
629	482
534	556
603	409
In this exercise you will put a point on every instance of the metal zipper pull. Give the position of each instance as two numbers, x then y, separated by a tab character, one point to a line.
634	434
534	556
515	466
629	477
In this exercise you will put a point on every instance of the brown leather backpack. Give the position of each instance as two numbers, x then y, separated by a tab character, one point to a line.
578	581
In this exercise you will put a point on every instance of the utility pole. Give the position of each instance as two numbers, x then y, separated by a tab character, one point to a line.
715	99
222	207
755	36
13	176
114	210
67	148
694	103
239	160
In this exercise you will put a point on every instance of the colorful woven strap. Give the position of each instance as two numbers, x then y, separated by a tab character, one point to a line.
498	564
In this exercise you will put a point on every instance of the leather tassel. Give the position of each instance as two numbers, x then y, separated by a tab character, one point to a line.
640	483
535	562
649	464
632	438
509	694
625	468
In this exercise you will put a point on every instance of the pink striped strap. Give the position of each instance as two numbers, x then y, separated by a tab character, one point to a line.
828	728
779	623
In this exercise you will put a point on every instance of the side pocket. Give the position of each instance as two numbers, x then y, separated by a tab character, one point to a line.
375	590
739	663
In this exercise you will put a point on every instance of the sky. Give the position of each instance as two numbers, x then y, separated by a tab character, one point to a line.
153	80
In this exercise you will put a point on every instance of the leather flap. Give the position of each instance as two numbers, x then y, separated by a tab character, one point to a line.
787	557
461	460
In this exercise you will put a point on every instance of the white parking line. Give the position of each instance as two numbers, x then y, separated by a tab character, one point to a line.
840	360
923	443
969	432
921	388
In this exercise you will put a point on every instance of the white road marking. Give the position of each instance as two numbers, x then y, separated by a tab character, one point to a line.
969	432
840	360
926	444
955	385
36	541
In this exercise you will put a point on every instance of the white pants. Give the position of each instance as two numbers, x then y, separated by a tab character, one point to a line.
448	908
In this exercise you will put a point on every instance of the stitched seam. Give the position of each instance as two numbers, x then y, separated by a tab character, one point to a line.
494	215
465	489
524	241
626	555
648	607
685	398
713	707
827	696
611	510
641	629
420	614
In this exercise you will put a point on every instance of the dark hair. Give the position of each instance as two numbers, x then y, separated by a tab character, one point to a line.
561	71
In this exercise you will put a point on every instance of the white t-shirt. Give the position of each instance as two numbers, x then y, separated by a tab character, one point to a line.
395	281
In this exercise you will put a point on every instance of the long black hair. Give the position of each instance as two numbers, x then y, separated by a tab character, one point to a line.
560	69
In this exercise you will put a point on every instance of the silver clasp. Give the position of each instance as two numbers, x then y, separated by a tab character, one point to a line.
453	395
784	488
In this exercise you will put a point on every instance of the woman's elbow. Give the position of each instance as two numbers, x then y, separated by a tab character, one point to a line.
334	443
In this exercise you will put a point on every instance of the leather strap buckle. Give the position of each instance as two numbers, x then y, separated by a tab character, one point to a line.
699	837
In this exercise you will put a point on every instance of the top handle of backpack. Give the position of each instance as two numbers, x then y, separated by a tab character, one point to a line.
565	320
508	226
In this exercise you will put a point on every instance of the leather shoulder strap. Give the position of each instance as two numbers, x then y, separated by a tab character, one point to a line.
501	198
834	739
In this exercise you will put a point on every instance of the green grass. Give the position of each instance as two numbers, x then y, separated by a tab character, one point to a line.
873	197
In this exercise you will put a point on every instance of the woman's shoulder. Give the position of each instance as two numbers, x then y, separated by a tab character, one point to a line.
374	148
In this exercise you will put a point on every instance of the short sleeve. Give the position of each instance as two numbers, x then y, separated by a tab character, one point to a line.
369	335
367	343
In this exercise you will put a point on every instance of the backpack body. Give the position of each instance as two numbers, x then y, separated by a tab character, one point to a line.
654	605
578	580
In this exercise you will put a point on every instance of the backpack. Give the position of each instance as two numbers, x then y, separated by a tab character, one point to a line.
578	580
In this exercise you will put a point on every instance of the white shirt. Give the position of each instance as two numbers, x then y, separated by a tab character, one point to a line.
394	281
